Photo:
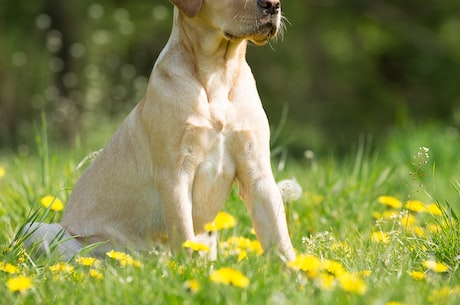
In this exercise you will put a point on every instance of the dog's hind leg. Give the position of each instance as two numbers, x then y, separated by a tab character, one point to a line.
47	238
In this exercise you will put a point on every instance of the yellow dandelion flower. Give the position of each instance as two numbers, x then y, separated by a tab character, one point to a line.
238	242
448	223
222	221
229	276
192	286
390	214
365	273
434	228
317	199
333	267
180	270
380	237
87	261
435	266
341	246
52	203
415	206
61	267
8	268
21	256
408	220
417	275
352	283
195	246
255	247
78	276
390	201
2	172
116	255
394	303
95	274
123	258
325	281
434	209
134	262
417	231
386	214
175	267
242	255
307	263
241	246
20	283
442	295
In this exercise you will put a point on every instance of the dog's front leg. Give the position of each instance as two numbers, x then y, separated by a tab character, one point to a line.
269	218
266	210
177	211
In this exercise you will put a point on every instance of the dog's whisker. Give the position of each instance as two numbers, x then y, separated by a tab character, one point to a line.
285	20
283	28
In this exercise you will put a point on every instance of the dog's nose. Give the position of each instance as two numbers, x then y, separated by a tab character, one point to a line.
269	7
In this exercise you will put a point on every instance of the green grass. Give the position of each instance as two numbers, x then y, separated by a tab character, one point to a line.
333	220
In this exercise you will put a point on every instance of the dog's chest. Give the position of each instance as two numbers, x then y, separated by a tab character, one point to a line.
210	166
207	152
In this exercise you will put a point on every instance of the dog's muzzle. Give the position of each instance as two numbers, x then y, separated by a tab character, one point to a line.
269	7
269	23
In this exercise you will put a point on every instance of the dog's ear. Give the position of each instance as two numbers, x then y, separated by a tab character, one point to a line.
188	7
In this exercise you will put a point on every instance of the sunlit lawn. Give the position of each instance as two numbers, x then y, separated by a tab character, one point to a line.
376	227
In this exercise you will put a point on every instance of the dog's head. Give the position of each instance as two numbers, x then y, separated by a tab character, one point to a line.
255	20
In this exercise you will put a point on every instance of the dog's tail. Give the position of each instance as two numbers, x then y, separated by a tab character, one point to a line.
48	239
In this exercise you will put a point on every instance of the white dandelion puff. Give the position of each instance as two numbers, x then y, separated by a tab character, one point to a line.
290	190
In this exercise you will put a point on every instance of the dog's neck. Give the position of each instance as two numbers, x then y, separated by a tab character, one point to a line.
216	59
206	43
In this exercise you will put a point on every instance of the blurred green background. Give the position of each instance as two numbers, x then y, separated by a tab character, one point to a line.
342	70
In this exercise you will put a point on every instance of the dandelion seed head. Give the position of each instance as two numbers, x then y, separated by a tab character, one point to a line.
309	154
290	190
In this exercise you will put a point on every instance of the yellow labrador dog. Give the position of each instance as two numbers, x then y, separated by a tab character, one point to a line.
170	167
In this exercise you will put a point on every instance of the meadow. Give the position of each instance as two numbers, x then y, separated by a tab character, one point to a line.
377	225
